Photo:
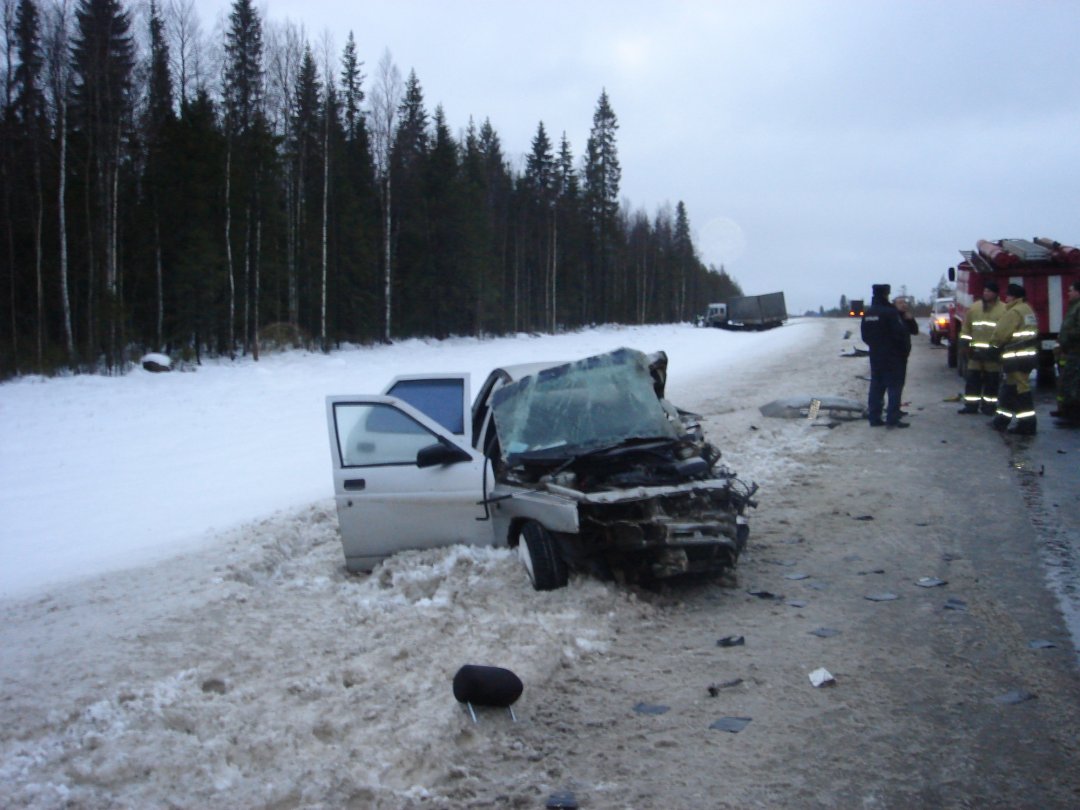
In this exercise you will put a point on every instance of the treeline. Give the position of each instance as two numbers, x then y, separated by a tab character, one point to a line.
165	192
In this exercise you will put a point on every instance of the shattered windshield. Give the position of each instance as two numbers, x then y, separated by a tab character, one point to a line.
593	403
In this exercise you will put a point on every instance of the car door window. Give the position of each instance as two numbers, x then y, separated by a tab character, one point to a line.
375	434
441	399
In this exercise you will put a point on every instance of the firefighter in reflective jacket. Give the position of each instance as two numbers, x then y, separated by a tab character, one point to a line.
982	378
1017	337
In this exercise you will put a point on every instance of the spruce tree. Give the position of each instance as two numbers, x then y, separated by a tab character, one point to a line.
683	248
31	134
159	119
444	269
414	275
103	55
352	92
602	176
540	188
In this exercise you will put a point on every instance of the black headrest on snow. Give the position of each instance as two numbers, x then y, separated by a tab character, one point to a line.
487	686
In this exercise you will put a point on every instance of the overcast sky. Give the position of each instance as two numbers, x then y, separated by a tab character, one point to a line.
819	146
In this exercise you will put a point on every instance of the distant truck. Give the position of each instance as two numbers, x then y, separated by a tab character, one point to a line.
1043	266
750	312
856	308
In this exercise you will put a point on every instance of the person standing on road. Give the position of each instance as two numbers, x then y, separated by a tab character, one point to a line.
982	377
1016	337
889	341
912	326
1068	357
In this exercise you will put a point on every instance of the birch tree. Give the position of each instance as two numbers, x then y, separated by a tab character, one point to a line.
385	99
59	73
243	92
329	113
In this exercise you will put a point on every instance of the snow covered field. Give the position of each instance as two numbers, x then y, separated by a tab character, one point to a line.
100	473
177	628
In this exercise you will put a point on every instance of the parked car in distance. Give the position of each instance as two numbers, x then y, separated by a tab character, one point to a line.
581	465
940	318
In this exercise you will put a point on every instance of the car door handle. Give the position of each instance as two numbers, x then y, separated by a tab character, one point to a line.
354	484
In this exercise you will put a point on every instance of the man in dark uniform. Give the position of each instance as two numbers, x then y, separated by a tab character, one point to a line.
889	340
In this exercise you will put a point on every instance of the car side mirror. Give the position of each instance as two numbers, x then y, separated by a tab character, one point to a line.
440	454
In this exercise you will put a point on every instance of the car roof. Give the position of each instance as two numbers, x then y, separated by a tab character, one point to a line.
520	370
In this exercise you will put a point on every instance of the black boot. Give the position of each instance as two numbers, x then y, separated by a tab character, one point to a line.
1067	415
1024	427
1025	415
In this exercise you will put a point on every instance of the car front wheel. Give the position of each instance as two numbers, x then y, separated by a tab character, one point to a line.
540	555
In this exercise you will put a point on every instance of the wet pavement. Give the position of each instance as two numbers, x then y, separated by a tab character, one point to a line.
1047	469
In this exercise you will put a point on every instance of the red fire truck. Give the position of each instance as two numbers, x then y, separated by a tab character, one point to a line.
1043	266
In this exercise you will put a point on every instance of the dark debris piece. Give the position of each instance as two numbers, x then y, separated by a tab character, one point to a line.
562	800
1014	697
952	603
1042	644
864	517
732	724
872	571
730	641
881	597
825	632
798	603
714	688
762	594
651	708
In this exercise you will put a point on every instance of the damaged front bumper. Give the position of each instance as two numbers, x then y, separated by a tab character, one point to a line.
652	532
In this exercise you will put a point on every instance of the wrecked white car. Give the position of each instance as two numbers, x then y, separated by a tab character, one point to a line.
580	465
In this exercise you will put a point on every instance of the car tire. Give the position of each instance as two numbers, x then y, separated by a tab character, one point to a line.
540	555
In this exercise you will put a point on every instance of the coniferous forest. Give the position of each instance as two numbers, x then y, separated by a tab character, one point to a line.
163	191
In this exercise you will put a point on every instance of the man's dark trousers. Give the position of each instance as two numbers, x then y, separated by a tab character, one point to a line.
886	376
